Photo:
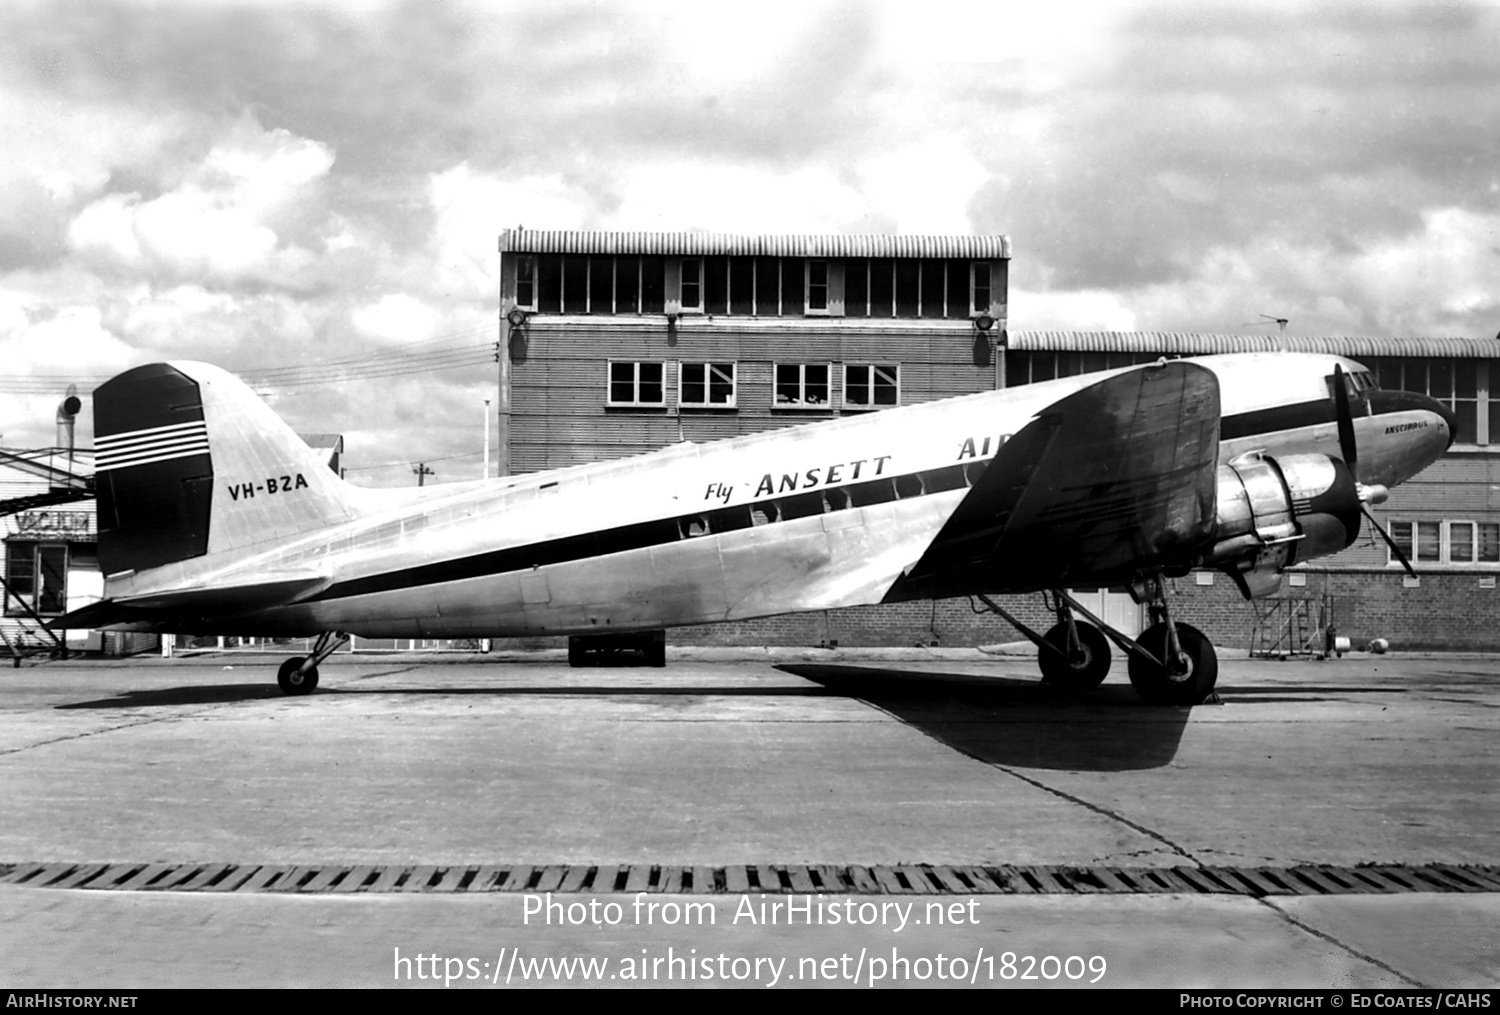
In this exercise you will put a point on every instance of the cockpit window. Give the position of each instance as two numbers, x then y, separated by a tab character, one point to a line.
1355	382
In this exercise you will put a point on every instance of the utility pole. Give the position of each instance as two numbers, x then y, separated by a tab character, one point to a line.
486	438
422	472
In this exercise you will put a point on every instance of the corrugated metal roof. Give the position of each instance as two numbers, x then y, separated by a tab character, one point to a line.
1191	343
540	241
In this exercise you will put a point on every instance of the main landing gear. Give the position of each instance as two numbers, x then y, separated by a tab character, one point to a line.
299	674
1169	664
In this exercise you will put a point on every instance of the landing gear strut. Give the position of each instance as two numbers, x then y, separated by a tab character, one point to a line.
1076	656
1177	664
299	674
1169	664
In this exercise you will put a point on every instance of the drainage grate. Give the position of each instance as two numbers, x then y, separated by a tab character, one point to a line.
905	879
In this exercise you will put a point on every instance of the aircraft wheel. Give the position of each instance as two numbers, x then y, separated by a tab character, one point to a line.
1179	684
576	654
1083	673
291	683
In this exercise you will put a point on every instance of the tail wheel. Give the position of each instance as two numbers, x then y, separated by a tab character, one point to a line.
1082	670
1184	681
294	683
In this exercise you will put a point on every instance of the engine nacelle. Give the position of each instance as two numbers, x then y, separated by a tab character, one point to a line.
1273	512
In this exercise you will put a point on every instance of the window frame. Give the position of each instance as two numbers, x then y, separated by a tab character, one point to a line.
870	368
637	402
1405	533
700	284
37	580
808	286
526	266
802	404
707	367
975	310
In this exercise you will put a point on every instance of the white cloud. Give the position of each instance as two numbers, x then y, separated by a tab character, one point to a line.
72	341
70	147
926	187
473	207
1440	278
1081	310
229	220
718	197
396	318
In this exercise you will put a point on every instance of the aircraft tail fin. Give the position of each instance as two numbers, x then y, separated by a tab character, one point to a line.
190	462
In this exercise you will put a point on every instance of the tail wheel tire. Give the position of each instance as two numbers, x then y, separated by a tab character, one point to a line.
293	683
1086	669
1185	681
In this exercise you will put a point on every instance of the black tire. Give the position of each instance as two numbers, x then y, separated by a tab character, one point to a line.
1083	674
577	656
1166	687
290	683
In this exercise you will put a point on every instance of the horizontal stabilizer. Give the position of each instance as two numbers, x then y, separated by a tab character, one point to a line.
179	604
1111	481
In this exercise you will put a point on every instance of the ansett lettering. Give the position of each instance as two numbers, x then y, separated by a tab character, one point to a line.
271	485
822	475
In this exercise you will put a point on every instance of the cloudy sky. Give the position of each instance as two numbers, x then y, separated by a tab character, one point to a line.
311	192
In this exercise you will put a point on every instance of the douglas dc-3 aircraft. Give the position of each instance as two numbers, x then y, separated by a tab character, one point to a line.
214	517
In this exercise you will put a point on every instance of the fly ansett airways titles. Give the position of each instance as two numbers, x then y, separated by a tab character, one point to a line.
764	911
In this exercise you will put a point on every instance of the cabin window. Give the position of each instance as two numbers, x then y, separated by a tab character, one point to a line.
871	385
636	384
706	385
802	386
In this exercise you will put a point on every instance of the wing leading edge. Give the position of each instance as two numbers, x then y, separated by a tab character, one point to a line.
1113	480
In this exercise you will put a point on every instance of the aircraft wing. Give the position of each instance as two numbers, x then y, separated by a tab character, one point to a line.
1114	479
203	601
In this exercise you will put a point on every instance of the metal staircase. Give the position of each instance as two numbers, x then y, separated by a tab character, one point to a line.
1290	626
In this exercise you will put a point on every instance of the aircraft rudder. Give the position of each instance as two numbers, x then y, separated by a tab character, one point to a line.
191	462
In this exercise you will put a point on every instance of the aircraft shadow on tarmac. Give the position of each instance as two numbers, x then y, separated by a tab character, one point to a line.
1004	721
215	694
202	694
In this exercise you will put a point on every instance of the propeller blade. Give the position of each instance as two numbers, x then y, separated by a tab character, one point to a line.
1389	541
1345	420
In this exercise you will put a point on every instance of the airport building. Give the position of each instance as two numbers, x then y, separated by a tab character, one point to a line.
51	559
615	344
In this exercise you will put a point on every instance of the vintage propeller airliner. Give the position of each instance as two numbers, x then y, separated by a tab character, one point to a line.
214	517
